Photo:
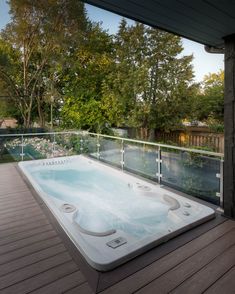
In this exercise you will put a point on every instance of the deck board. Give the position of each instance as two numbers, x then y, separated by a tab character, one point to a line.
42	279
225	285
35	258
63	284
209	274
82	289
25	234
191	265
166	263
34	223
33	269
24	261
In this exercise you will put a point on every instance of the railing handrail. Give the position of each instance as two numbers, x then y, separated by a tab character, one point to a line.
32	134
204	152
211	153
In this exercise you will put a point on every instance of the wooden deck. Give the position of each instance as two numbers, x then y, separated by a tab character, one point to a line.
35	257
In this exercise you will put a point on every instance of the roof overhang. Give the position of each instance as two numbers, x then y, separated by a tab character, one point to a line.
203	21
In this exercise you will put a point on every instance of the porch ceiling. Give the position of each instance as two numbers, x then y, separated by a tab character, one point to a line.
203	21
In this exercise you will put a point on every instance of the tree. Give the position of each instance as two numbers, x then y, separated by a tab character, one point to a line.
209	102
151	81
43	33
83	105
9	93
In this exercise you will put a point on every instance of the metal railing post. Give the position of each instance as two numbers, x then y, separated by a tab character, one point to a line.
81	144
221	182
53	145
159	165
98	146
220	176
22	148
122	155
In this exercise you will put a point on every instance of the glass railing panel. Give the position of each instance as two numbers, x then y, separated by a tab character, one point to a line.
192	173
141	159
38	146
111	151
10	149
66	144
90	145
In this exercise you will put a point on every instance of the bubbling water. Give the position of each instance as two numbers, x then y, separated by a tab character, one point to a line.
104	202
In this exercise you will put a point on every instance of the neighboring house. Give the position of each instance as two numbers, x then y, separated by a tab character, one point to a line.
8	123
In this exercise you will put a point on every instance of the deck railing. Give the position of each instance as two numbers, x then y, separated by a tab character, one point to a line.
196	172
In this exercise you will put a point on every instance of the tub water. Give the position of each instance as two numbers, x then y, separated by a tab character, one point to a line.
110	216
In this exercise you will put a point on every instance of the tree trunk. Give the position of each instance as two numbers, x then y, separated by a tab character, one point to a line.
152	135
41	115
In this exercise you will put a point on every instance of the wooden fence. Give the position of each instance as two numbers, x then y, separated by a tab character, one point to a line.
213	141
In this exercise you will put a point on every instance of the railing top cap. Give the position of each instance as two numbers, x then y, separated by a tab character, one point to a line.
211	153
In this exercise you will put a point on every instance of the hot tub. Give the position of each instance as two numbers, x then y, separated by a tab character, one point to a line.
111	216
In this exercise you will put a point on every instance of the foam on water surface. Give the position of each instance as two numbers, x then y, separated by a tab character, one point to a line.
103	200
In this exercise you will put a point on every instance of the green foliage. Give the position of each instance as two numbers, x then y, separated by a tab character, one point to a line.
208	103
193	160
215	126
84	105
43	33
53	58
150	83
8	109
137	79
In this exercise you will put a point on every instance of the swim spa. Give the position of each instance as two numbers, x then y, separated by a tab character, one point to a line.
110	216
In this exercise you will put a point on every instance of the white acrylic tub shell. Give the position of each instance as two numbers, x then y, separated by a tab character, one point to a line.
116	218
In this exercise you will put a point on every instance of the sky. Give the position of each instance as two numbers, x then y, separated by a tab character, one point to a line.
203	62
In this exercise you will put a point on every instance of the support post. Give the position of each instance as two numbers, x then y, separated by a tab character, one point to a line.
122	154
229	126
98	146
22	148
53	146
159	164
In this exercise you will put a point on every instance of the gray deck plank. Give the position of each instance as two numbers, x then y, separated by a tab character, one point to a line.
42	279
19	200
6	207
27	241
16	199
19	214
82	289
15	208
16	196
10	189
24	261
209	274
33	269
29	249
25	234
28	214
166	263
24	221
64	284
224	285
35	222
194	263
